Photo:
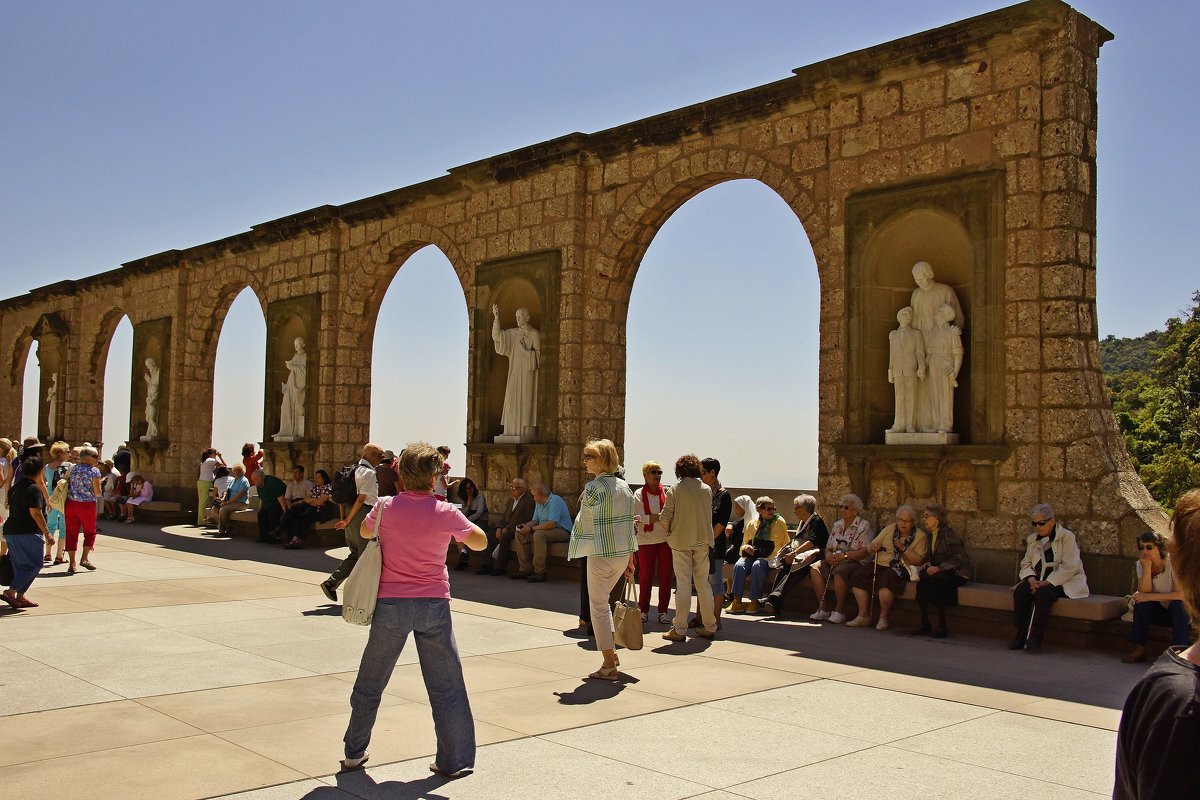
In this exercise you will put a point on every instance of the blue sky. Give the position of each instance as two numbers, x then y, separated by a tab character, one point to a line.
133	128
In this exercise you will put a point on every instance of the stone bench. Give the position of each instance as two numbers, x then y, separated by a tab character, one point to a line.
245	524
160	511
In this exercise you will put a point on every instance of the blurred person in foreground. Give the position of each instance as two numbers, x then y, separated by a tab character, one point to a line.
414	530
1159	732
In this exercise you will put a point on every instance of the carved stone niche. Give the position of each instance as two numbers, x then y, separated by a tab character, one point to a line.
51	333
923	467
498	464
528	281
287	320
151	339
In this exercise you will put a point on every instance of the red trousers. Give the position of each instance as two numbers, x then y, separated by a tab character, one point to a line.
655	559
81	515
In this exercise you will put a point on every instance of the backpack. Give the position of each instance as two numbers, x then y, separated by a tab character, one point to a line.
345	487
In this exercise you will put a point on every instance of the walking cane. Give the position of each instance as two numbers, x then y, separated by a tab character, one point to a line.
871	598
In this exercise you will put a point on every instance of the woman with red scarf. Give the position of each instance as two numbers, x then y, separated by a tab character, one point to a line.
654	554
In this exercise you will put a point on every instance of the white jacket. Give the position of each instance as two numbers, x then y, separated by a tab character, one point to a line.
1067	566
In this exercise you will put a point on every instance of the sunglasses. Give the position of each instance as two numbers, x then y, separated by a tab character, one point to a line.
656	472
766	508
1148	547
1037	523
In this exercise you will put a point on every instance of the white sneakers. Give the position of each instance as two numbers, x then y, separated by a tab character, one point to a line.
882	625
837	617
819	615
859	622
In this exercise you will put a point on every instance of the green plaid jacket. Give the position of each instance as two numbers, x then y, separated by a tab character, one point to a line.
604	526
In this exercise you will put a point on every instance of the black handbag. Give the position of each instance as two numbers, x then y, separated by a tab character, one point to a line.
6	570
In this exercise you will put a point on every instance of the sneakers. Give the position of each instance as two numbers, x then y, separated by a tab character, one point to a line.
819	615
462	773
857	622
837	618
674	636
736	607
753	608
882	625
330	590
352	764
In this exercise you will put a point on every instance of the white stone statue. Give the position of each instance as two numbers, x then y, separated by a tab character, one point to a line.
291	412
52	404
152	378
906	369
944	355
927	298
522	345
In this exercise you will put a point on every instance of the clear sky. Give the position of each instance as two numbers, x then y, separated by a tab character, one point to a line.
129	128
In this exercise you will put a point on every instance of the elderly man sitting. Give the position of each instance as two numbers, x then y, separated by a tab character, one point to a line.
1050	569
551	523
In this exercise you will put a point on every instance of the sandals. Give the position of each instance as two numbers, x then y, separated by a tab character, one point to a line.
10	597
71	570
59	560
89	566
663	619
609	674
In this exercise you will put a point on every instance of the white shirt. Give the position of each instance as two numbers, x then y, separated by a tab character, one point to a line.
206	469
297	490
1163	582
366	482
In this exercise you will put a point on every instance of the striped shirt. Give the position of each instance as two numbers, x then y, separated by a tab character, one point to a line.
604	527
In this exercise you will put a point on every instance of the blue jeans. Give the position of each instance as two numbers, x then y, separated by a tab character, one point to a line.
56	522
428	619
25	550
1152	613
757	567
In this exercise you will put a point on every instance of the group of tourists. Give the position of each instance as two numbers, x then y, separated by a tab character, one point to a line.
52	494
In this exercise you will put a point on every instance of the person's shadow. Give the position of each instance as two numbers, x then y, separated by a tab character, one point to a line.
589	692
361	784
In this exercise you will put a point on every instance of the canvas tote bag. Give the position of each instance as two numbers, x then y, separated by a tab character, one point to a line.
361	591
627	620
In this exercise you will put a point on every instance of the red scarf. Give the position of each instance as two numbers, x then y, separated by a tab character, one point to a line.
662	502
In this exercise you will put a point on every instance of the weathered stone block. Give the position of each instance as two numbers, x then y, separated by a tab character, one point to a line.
968	81
844	112
990	110
924	92
947	120
880	103
900	131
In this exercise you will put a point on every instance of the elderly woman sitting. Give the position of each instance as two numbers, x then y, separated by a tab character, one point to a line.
1157	601
845	551
948	568
898	547
140	490
763	538
1051	568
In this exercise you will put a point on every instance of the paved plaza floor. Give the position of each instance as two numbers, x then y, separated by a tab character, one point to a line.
191	666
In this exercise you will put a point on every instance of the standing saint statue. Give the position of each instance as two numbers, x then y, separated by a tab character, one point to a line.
291	411
944	358
927	298
906	369
52	403
152	378
522	345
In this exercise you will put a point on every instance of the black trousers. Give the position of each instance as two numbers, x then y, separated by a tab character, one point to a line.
268	518
1032	609
785	582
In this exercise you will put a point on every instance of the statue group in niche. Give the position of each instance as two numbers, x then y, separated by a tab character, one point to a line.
925	356
151	377
295	389
522	345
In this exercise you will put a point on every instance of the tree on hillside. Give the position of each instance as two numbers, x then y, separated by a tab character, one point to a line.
1158	408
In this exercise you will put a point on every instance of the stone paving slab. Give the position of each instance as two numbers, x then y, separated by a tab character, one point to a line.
200	666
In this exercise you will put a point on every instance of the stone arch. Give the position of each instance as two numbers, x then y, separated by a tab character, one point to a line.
633	226
105	328
22	347
375	271
210	308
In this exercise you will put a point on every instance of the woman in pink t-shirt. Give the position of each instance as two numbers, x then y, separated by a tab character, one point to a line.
414	530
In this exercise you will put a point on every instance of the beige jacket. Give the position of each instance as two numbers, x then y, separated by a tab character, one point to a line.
687	516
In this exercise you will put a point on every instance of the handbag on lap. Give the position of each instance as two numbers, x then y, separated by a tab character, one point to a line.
627	620
361	591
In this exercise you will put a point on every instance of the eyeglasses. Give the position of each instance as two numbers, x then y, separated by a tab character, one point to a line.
1148	547
846	508
1037	523
766	508
655	472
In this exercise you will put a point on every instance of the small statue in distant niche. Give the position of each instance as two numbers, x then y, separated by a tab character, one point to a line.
291	411
927	299
906	368
52	404
152	380
523	346
944	355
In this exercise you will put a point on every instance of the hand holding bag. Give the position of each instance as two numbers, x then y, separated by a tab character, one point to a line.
627	620
58	497
361	590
